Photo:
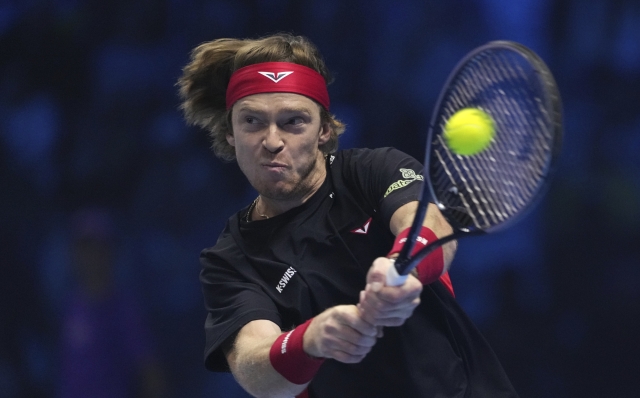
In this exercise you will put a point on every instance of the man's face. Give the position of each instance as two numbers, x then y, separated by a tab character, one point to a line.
276	137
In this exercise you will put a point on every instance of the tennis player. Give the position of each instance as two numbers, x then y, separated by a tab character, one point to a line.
295	285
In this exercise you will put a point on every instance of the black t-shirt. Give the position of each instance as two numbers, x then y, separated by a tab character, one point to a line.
291	267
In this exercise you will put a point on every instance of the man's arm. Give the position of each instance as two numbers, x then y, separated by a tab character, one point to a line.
338	333
403	218
392	305
345	333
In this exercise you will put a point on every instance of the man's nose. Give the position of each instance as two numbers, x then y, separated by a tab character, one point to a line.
273	141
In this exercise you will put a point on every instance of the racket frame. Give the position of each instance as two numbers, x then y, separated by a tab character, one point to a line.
405	263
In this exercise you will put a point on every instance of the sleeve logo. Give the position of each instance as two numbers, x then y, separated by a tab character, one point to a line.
409	177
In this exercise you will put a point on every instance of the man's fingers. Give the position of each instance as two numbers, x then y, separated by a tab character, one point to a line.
388	298
398	294
378	272
352	319
375	286
379	312
377	318
381	305
342	334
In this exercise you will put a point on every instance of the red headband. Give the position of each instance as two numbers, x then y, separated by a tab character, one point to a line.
277	77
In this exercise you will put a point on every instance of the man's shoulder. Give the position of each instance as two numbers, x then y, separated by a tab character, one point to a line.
225	240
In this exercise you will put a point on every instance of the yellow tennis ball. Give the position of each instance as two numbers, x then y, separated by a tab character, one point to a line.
469	131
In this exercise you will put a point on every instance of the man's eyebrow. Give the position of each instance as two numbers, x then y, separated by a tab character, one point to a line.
302	109
250	109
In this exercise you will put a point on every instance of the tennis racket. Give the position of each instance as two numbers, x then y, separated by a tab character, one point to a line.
491	190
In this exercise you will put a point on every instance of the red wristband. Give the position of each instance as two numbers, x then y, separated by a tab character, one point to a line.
288	358
432	266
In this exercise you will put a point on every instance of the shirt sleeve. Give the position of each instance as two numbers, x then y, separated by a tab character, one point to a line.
231	302
385	177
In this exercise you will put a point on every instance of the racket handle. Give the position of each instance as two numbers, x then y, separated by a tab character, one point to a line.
393	277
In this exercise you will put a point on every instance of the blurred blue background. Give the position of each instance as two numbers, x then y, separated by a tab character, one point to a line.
107	198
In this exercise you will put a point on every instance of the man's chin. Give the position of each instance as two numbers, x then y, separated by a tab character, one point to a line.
278	194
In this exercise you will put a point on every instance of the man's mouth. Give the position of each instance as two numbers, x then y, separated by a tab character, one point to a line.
274	165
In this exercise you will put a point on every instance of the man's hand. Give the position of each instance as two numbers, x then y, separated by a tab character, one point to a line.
340	333
382	305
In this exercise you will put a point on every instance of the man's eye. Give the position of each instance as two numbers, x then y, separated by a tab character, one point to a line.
296	121
251	120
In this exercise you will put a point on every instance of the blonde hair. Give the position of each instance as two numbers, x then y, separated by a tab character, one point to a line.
203	84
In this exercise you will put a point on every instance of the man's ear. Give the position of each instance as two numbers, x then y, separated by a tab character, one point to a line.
231	139
325	134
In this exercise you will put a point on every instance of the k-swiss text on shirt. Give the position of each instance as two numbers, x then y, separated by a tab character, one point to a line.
288	274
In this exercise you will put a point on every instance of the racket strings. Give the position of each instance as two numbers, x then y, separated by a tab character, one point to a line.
458	201
488	188
505	195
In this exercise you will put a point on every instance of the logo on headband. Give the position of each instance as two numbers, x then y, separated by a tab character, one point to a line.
275	77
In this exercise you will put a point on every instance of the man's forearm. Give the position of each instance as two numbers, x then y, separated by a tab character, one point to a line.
403	218
248	358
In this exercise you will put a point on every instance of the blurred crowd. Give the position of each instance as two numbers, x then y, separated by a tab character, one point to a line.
107	197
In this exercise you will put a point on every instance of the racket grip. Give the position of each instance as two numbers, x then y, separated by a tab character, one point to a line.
393	277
